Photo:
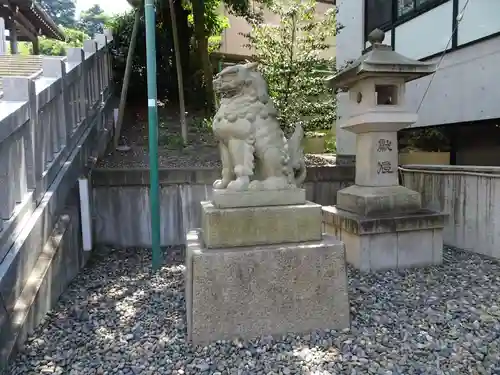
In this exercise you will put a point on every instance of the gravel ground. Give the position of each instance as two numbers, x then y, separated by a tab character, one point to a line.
116	318
188	157
200	152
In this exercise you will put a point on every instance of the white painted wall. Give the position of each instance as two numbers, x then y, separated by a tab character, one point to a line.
480	19
350	43
426	34
465	88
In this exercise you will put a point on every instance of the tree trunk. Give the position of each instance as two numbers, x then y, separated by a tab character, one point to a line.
178	68
185	31
202	44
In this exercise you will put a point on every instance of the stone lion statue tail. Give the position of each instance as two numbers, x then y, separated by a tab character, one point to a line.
296	153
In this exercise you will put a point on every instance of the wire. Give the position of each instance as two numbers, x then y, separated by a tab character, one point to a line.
460	16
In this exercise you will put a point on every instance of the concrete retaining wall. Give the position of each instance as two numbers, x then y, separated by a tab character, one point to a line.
121	201
470	195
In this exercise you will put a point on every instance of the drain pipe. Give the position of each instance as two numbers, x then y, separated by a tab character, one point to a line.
154	192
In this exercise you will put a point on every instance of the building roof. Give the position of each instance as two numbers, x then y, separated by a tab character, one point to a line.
33	13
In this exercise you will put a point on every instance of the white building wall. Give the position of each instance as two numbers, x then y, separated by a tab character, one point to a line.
350	43
465	88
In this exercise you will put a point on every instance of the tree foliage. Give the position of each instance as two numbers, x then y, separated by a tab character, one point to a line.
292	56
93	20
192	66
52	47
205	11
61	11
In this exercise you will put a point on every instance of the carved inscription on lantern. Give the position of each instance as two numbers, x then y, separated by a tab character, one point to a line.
384	166
384	145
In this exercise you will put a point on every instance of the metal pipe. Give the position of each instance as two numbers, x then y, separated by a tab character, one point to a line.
154	193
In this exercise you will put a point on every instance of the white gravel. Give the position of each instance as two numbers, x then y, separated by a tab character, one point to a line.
116	318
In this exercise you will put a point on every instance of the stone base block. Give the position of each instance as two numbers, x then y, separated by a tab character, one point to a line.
271	290
382	243
380	200
249	226
256	198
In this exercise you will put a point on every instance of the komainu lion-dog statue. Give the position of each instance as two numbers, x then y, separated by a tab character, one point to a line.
254	152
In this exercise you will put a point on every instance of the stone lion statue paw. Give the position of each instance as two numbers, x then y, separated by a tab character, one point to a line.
275	183
220	184
240	184
255	185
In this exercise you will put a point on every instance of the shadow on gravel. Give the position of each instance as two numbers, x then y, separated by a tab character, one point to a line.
119	318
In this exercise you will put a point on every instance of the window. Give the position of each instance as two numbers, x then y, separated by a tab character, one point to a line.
405	7
378	13
385	14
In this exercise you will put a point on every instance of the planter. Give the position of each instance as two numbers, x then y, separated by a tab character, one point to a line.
424	157
314	144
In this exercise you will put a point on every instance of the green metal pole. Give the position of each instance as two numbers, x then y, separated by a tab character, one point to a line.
154	193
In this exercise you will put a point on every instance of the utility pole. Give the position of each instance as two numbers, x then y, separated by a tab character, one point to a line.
154	192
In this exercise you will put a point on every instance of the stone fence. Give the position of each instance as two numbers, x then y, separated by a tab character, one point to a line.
121	201
42	117
470	195
53	125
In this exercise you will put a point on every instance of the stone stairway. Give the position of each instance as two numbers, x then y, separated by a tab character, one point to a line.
19	65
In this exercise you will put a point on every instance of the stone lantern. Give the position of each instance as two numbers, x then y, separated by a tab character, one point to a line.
382	223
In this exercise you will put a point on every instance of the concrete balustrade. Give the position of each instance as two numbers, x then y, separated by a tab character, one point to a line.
41	118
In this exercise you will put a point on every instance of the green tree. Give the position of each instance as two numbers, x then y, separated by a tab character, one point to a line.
61	11
92	20
52	47
205	14
293	56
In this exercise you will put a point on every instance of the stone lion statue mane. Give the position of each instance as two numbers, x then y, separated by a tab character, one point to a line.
254	151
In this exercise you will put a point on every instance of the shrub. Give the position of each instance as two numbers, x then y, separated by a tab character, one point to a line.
293	56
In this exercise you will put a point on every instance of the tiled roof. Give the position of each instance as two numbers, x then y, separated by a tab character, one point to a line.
38	18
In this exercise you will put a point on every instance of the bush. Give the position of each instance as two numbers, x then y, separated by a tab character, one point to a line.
293	56
52	47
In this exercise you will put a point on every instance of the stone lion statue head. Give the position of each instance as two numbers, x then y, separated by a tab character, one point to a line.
241	80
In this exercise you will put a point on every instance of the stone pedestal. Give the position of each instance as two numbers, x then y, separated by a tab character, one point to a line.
382	223
385	242
263	271
259	225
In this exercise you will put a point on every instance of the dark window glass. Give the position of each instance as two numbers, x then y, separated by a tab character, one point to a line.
423	3
378	13
405	7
